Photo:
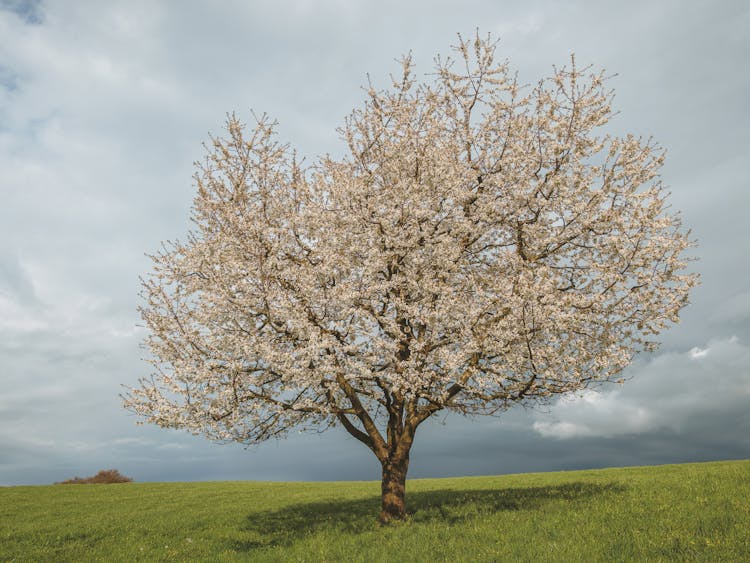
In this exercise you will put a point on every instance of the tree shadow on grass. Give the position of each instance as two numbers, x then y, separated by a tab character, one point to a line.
290	524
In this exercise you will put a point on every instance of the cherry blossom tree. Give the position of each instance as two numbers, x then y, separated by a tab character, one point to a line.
482	244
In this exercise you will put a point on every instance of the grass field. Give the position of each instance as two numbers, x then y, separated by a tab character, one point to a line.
671	512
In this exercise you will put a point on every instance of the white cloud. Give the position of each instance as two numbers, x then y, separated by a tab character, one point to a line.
627	418
696	352
665	392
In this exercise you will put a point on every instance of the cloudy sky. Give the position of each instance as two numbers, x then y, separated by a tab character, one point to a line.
103	109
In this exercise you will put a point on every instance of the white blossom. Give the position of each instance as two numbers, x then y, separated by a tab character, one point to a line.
482	244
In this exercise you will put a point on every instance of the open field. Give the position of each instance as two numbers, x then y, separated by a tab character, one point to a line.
670	512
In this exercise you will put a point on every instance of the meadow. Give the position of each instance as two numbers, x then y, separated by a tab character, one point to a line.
697	511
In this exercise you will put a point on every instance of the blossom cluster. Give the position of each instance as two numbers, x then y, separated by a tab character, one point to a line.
482	244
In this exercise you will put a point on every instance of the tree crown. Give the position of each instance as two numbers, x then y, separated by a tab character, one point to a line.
481	244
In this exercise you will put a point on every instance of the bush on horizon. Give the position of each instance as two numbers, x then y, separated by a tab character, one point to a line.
104	476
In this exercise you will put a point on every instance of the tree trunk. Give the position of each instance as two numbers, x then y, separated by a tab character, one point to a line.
393	490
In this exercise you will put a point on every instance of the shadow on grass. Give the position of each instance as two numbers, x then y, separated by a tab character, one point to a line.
294	522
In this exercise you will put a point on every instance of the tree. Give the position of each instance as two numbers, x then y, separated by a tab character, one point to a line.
481	245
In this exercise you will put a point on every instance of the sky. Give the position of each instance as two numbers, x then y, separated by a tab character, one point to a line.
104	107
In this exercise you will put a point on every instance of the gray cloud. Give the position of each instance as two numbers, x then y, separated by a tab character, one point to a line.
103	107
29	11
16	285
667	392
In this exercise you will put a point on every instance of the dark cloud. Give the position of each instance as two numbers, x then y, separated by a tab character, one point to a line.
29	11
103	106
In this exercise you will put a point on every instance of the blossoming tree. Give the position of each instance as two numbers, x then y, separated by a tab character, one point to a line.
481	245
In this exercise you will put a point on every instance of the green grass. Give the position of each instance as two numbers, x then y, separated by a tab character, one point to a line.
671	512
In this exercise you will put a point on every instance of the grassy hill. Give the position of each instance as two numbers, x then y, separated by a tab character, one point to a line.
670	512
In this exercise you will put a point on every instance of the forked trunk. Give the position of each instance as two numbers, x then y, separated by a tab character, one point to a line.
393	490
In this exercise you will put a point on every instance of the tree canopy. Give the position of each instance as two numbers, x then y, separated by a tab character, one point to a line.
482	244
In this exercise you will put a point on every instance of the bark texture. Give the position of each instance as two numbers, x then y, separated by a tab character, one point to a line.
393	490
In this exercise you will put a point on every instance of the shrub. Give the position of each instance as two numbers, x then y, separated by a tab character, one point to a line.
104	476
